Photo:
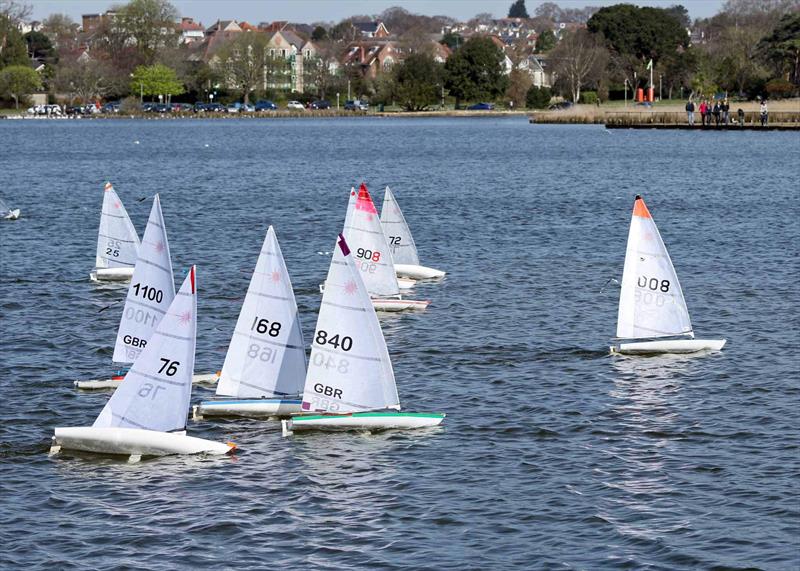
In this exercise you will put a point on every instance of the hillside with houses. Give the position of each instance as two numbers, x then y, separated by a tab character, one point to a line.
146	50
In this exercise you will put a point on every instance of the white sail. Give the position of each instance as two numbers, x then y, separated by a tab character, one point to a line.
651	302
156	391
350	370
351	205
371	254
397	232
117	241
151	291
5	209
267	356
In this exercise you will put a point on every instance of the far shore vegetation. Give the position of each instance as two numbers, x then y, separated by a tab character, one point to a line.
597	58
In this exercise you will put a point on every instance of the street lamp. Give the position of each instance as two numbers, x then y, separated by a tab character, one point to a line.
337	100
348	90
626	92
659	87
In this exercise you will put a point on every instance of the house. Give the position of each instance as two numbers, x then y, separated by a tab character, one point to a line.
223	26
374	29
537	66
372	57
91	22
191	31
295	50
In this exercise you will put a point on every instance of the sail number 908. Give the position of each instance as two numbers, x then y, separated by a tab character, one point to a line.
343	343
375	256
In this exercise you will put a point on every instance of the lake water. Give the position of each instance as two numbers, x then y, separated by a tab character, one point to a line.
553	454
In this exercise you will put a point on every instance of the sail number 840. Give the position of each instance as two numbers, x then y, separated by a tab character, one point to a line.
322	338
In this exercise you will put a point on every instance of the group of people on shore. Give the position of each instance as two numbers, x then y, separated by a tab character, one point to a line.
721	113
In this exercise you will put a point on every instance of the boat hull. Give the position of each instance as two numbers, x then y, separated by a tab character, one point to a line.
134	442
96	384
388	420
668	346
12	214
111	274
417	272
405	283
393	304
257	408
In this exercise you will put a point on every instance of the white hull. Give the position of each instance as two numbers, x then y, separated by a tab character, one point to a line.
12	214
668	346
394	304
362	421
263	408
205	378
111	274
134	442
405	283
417	272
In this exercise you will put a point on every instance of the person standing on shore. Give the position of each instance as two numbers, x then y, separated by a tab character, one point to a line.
703	112
726	109
740	113
715	112
690	112
763	112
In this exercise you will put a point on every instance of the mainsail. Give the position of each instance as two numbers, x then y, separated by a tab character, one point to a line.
151	291
350	369
266	356
397	232
156	391
371	252
651	302
117	241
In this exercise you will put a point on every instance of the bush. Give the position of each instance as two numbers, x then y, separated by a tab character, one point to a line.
779	88
589	97
130	105
538	97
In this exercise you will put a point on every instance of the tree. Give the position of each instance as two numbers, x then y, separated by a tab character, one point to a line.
62	31
417	82
538	97
151	24
452	40
19	80
518	10
578	59
546	41
319	34
155	80
782	48
645	33
40	47
84	81
244	63
13	50
475	71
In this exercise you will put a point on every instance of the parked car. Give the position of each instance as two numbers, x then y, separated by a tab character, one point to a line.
73	110
181	107
560	106
321	104
265	105
356	105
215	108
51	109
295	105
481	107
233	107
247	108
110	107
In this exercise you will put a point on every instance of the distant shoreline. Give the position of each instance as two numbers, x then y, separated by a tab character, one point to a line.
271	115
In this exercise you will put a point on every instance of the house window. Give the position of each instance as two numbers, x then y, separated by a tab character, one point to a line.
283	53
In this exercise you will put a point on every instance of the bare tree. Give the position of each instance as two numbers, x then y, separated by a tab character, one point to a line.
578	59
243	62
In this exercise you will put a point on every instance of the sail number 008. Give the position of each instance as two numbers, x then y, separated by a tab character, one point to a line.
345	343
653	284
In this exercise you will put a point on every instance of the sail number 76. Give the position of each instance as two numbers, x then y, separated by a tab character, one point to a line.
168	367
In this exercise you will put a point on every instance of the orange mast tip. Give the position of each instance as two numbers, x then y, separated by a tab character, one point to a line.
108	186
640	209
232	446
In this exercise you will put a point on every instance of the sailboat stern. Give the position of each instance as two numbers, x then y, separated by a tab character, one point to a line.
417	272
370	421
134	441
399	304
678	346
111	274
257	408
